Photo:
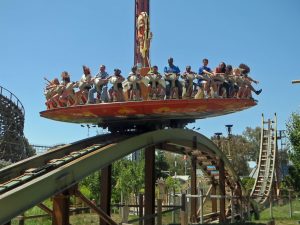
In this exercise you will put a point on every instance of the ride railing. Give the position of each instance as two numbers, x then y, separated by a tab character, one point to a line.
14	99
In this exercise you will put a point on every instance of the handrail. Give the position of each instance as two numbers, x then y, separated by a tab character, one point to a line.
14	99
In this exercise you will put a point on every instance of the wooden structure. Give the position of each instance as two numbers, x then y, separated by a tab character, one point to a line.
12	116
267	179
28	183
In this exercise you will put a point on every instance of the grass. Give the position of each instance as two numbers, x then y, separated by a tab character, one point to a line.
280	214
282	211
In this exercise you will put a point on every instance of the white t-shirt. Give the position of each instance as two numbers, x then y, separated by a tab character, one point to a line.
86	78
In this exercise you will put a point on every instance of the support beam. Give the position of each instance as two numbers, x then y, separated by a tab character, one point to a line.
140	6
141	208
45	208
98	210
61	203
222	190
149	184
194	190
105	192
214	203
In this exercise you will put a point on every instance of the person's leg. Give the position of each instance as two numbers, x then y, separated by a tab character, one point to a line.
255	91
138	92
104	94
91	98
168	89
179	88
227	88
111	94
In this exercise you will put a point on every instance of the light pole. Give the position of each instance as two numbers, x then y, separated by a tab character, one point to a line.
229	129
218	135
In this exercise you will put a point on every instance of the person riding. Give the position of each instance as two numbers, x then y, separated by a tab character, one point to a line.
205	81
116	91
188	76
218	77
245	70
50	91
84	86
100	86
60	89
156	90
173	87
228	83
68	96
135	90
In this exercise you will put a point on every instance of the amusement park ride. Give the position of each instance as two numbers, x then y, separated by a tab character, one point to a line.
158	113
57	172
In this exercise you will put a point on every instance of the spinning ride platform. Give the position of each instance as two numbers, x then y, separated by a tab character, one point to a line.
143	112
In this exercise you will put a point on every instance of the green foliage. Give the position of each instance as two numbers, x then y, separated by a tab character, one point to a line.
253	138
4	163
292	180
293	133
29	150
179	166
161	165
90	186
237	146
242	148
248	183
128	178
172	184
281	211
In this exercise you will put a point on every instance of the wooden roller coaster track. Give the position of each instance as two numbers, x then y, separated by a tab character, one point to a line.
266	181
12	116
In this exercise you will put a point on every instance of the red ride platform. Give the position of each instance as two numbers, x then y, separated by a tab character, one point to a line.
139	111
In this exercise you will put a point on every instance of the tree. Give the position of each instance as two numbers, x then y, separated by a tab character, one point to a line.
293	134
92	184
179	166
253	138
161	165
238	146
29	150
128	178
4	163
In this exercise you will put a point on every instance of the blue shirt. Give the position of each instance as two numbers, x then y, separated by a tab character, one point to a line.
200	71
171	69
102	75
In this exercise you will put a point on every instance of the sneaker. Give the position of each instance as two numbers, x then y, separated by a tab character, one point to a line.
258	92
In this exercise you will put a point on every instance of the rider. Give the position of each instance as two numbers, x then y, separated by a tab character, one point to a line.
172	69
245	69
154	86
85	84
101	88
116	91
205	81
188	76
133	78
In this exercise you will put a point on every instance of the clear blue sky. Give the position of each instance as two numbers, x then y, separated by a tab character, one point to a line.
43	38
